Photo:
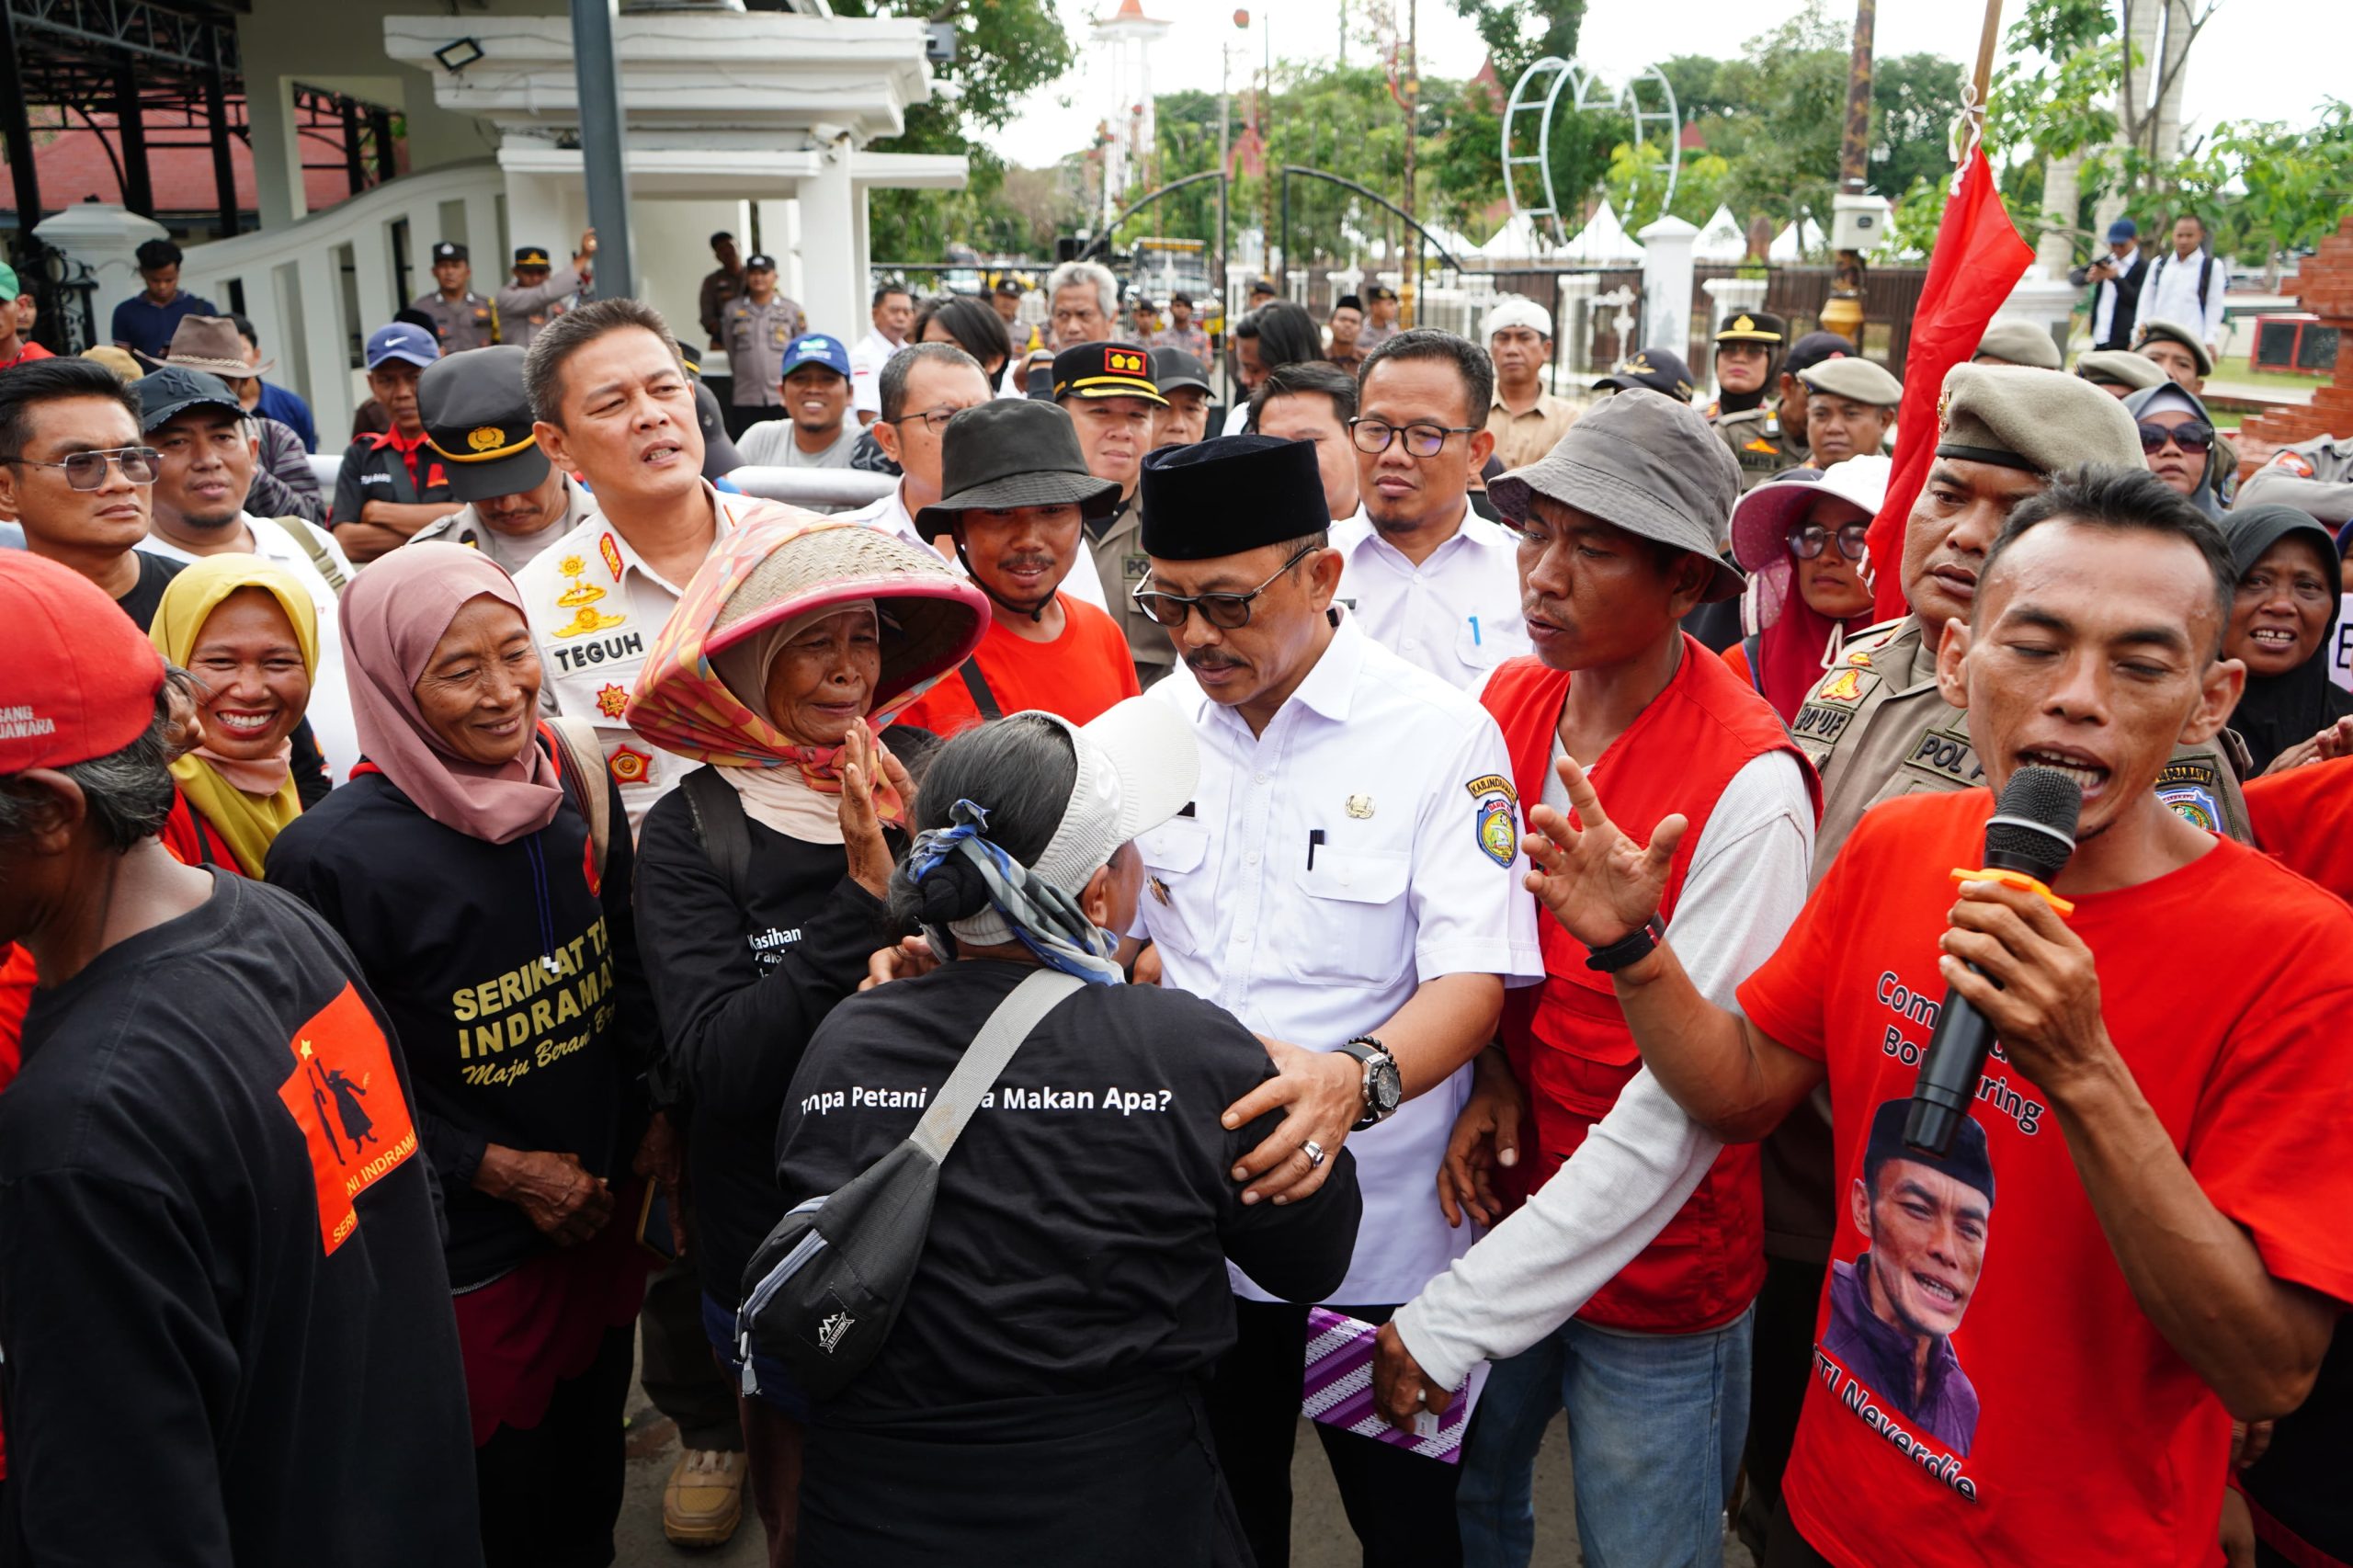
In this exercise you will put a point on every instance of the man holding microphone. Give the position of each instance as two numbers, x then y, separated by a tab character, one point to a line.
2163	1144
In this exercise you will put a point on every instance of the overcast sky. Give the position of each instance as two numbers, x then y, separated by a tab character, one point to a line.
2246	65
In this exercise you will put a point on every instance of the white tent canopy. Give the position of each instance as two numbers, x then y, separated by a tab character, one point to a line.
1793	245
1519	240
1602	241
1721	238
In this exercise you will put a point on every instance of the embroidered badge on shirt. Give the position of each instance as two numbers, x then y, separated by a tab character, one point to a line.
611	551
1496	818
610	700
1360	807
1847	685
630	766
346	1099
2192	790
583	594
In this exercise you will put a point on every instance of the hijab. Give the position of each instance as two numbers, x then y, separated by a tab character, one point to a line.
1795	642
2277	711
395	613
801	801
2171	396
247	803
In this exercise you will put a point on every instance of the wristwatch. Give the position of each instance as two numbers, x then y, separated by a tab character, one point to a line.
1384	1090
1629	949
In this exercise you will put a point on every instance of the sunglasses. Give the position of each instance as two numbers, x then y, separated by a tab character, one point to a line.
1227	612
1809	539
87	471
2192	437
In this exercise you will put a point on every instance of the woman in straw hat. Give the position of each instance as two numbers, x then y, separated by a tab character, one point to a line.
475	867
763	876
245	629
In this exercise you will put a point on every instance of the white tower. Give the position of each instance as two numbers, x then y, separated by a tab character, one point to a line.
1125	38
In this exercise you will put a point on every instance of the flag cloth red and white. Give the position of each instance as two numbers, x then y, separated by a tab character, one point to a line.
1978	259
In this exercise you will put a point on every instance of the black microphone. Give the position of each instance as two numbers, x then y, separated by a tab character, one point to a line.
2033	832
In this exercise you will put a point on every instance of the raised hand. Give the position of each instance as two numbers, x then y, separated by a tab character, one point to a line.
869	855
1598	883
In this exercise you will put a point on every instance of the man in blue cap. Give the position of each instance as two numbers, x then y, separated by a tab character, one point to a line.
816	430
2115	281
391	484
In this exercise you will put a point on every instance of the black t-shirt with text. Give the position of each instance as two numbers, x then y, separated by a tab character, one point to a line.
228	1330
1084	1218
454	939
740	992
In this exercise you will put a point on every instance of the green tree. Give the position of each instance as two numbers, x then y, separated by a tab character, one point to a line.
1004	50
2266	189
1794	78
1636	184
1915	100
1517	33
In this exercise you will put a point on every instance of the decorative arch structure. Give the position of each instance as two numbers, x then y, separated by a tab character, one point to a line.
1647	98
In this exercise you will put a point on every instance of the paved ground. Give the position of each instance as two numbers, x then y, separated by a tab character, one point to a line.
1320	1534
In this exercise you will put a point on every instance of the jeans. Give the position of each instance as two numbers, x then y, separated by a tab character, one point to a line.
1655	1424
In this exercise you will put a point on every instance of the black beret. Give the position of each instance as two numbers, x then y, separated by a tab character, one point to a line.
1229	495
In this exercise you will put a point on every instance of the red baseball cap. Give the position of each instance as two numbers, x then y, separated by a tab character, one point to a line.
82	676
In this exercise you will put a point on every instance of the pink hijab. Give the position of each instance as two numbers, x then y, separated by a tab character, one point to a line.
394	614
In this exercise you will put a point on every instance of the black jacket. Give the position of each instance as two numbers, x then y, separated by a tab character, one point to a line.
228	1327
2128	299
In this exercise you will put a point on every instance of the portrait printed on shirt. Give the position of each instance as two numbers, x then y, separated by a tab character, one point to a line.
1886	1350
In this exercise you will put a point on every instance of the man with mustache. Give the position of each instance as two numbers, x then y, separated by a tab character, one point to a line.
1892	1309
1015	495
1614	531
478	418
1346	882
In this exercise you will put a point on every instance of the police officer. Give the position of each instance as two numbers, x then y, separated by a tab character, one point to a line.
479	419
1108	391
758	329
539	293
1850	407
461	318
1748	348
1346	882
1877	725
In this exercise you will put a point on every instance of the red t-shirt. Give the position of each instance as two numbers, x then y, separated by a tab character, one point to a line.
1076	675
26	352
2055	1425
2304	817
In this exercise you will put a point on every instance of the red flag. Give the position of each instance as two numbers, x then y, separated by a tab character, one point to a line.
1978	258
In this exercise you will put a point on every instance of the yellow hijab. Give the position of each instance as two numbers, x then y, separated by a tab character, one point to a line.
221	789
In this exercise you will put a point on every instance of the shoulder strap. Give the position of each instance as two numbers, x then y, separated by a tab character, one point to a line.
299	532
987	1057
718	811
2205	277
982	698
583	760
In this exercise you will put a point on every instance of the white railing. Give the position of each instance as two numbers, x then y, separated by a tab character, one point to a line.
316	287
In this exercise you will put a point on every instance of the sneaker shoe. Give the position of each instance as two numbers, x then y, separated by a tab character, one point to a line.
703	1500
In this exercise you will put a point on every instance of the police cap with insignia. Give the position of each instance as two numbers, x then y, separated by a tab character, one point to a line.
448	250
759	261
1855	377
2174	331
2120	367
2015	416
2019	343
1105	369
1641	461
478	418
531	256
1813	348
1661	369
1754	326
1231	495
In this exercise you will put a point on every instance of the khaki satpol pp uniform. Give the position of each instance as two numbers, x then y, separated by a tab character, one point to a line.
1756	435
1877	727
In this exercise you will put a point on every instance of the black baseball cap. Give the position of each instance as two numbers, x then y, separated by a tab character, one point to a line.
477	417
1172	368
1661	369
1813	348
162	393
449	250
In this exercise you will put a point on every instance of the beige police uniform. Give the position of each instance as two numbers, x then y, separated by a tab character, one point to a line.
1877	727
523	311
1760	443
468	322
594	608
758	338
1120	562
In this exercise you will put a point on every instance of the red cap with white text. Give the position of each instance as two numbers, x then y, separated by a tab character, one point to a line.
82	676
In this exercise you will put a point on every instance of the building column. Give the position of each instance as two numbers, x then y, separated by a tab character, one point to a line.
1666	283
833	247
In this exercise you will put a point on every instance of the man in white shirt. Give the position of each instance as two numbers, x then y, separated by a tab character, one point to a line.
2188	285
1343	885
208	453
2116	280
893	313
921	390
1313	401
478	418
1429	579
816	430
613	402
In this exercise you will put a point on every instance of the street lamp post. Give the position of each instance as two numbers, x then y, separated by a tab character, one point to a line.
1412	83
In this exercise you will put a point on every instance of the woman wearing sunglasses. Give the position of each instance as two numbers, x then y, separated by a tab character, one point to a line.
2178	442
1800	538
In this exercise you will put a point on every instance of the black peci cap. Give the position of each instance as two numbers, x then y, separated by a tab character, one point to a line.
477	417
1231	495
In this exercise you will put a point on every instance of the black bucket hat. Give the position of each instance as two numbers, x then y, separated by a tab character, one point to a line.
1013	452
